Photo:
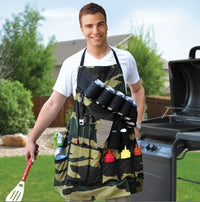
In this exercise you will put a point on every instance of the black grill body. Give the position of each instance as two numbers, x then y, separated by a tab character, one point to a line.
162	139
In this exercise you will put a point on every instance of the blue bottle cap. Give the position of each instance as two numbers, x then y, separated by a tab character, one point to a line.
120	94
110	89
99	83
134	104
129	99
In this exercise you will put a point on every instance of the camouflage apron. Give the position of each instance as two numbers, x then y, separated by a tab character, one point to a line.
84	175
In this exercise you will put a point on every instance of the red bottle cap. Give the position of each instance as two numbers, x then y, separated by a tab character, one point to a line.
109	157
137	151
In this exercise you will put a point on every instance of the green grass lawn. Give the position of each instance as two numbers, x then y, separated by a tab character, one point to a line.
39	183
189	168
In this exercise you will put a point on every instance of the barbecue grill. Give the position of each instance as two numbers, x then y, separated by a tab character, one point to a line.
162	139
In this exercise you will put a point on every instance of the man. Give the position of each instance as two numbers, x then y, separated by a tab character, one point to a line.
81	175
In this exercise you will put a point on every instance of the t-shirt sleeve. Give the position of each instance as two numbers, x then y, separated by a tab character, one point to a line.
132	74
63	83
67	78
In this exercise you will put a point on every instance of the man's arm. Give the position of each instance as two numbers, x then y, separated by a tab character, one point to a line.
47	114
138	95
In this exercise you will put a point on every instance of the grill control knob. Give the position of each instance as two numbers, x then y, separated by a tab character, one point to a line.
153	147
148	147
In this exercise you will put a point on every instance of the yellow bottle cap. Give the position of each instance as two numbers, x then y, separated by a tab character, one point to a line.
125	154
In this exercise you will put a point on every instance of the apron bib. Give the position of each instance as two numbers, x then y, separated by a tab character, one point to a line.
99	143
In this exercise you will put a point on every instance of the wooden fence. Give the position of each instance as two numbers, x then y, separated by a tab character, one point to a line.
156	106
60	120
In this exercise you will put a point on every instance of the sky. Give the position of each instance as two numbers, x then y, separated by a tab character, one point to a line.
174	24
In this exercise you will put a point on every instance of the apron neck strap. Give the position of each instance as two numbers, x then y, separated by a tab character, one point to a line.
115	55
83	57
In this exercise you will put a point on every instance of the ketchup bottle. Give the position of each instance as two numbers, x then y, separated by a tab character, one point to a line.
109	157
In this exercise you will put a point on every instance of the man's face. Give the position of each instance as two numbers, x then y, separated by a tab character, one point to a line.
94	28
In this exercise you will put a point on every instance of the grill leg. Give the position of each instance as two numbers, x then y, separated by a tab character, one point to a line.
175	152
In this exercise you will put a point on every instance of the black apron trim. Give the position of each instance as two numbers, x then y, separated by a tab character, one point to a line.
83	57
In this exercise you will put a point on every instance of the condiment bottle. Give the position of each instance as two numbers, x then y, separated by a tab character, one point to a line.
137	151
60	152
109	157
125	154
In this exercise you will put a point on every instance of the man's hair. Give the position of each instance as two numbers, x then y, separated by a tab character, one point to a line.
91	8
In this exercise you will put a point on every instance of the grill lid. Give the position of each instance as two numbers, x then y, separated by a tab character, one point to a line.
184	77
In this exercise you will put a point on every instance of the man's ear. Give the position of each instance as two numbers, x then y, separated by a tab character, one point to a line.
81	28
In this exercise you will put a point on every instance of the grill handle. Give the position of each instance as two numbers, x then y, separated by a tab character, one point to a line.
193	52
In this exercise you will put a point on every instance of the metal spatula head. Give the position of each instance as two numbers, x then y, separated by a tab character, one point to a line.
17	193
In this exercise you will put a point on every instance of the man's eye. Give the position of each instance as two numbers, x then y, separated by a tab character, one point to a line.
88	26
101	24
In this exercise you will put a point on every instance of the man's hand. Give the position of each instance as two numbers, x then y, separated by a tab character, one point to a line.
32	151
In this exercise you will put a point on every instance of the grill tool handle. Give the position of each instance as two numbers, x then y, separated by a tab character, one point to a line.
28	166
193	52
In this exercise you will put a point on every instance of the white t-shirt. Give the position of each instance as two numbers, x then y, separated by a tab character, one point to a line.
67	79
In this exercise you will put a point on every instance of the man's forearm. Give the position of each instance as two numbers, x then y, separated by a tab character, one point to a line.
45	118
47	114
139	98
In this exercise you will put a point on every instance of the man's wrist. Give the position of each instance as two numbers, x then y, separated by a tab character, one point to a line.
138	125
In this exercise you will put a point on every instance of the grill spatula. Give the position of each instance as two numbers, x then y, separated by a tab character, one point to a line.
17	193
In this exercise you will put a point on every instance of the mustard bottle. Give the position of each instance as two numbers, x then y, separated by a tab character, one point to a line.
125	154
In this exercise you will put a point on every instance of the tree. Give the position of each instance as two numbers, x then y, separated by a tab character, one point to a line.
149	63
23	57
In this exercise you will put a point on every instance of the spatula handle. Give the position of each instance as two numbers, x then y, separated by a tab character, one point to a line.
28	166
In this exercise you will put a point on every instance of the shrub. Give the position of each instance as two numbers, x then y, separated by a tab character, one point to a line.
16	114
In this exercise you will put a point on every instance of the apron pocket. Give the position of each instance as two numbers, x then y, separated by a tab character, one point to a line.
94	172
132	185
126	168
77	160
83	165
137	163
109	171
61	164
125	138
60	171
114	139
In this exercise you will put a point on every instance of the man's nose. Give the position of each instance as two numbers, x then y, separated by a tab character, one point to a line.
95	29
